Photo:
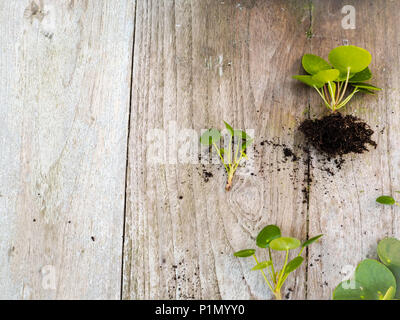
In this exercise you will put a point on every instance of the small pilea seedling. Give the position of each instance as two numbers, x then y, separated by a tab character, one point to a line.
374	280
230	158
270	238
348	65
388	200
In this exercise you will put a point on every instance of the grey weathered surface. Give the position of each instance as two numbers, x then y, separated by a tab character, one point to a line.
199	63
343	206
64	88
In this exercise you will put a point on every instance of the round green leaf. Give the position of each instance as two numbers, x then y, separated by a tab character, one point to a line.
268	234
284	243
262	265
313	64
325	76
308	80
244	253
389	253
372	281
386	200
310	241
294	264
343	76
363	75
354	58
210	136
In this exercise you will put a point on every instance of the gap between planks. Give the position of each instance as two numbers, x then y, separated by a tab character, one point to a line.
127	150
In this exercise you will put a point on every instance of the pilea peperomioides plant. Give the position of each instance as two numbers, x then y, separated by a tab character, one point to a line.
335	134
348	66
230	157
374	280
270	238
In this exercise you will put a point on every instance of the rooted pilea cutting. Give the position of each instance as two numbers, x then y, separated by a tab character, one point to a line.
374	280
348	65
230	157
270	238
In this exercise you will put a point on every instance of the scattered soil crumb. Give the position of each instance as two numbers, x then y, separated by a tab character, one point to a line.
337	135
287	152
207	175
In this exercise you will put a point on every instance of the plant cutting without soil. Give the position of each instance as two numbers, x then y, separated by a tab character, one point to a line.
374	280
388	200
270	238
347	68
230	157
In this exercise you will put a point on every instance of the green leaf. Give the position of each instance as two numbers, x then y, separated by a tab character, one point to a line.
343	75
284	243
313	64
363	75
365	86
389	253
268	234
246	144
351	58
244	253
325	76
230	129
210	136
386	200
308	80
310	241
262	265
365	91
294	264
372	280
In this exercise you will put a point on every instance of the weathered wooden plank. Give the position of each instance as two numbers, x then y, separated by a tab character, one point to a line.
198	63
64	88
343	206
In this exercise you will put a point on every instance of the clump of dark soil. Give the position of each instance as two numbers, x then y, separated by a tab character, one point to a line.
287	152
337	135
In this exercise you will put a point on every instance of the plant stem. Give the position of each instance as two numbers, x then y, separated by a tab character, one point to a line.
265	277
332	94
326	93
345	85
228	186
283	270
272	265
323	98
338	86
230	152
222	159
277	294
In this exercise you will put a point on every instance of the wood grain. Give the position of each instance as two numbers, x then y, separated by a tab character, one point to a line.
64	88
343	206
75	222
198	63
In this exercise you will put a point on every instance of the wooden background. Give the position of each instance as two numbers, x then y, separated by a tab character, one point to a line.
84	215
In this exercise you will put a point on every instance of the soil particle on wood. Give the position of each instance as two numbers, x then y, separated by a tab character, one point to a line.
337	135
287	152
